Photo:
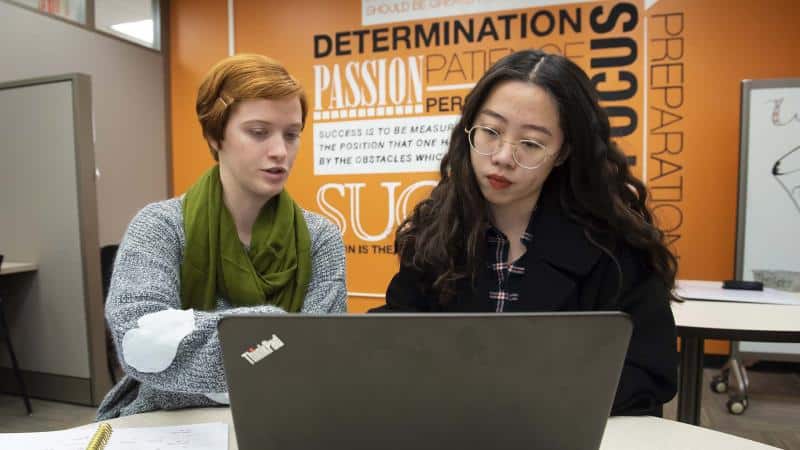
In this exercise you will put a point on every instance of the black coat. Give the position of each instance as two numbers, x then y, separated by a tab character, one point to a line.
567	272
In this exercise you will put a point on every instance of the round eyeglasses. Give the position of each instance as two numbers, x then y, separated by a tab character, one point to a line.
528	153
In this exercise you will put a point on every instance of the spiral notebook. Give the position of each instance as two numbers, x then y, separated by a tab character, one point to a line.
202	436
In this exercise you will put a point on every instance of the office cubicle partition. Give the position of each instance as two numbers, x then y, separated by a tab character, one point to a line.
48	216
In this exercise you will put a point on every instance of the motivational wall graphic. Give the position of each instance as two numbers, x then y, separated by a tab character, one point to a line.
387	88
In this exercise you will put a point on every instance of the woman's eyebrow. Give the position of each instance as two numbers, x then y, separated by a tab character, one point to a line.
500	117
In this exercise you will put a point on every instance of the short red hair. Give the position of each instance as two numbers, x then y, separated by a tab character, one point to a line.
237	78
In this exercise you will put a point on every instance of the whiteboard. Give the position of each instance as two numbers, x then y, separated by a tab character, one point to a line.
768	222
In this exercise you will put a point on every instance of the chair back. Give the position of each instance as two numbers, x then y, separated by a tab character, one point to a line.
108	254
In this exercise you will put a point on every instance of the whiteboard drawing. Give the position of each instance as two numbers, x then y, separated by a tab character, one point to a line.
786	171
776	114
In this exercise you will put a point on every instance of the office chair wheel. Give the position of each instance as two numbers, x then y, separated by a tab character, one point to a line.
719	385
736	406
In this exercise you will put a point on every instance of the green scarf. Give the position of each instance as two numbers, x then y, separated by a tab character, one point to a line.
275	270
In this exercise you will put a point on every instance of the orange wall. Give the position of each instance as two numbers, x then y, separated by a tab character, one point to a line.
723	43
726	41
198	39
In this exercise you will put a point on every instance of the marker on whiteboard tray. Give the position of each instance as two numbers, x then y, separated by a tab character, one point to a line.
743	285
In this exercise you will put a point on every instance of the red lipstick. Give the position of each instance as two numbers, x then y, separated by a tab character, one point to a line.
498	182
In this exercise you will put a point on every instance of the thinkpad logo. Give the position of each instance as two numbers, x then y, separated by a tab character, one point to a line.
262	350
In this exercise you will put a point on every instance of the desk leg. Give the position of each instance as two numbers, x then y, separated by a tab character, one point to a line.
691	382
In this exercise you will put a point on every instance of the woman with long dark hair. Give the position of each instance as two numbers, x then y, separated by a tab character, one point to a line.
537	210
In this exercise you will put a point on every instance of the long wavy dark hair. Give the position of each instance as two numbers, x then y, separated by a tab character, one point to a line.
444	237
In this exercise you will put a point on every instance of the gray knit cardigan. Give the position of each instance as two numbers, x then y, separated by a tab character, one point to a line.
146	286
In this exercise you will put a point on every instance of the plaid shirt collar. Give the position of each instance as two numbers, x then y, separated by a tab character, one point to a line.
494	235
497	261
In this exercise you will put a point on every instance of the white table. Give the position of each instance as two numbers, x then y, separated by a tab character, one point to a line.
621	433
9	267
697	320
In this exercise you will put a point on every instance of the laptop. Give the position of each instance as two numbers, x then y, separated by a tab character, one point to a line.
423	381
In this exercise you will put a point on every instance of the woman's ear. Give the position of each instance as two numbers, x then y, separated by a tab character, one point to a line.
214	144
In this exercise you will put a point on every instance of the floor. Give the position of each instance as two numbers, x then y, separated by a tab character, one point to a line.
773	415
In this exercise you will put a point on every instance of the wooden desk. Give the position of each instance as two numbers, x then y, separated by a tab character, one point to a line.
634	433
699	320
10	267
